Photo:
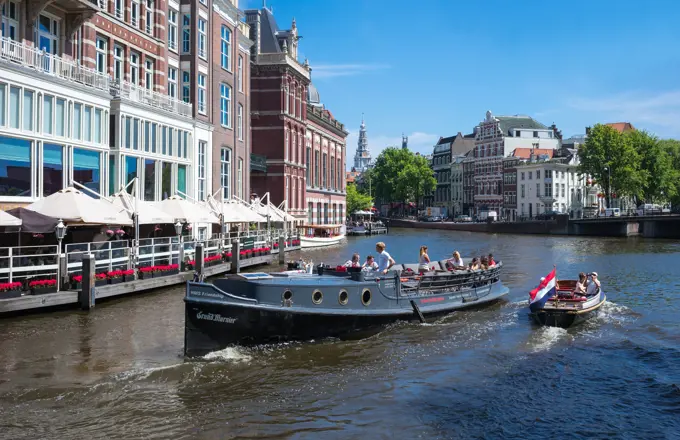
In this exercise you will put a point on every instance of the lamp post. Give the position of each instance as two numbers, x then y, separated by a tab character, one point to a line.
609	185
178	231
59	232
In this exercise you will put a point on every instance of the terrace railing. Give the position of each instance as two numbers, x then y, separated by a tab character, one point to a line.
109	255
19	263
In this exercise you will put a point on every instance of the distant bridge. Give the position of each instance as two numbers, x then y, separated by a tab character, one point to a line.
652	226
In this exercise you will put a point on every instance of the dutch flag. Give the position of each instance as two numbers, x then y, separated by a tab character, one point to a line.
546	290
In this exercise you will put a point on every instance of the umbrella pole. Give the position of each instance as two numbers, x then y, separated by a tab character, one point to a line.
136	226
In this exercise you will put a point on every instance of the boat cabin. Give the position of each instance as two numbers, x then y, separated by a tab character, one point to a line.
320	231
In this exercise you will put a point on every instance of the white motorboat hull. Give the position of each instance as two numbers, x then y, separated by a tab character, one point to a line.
312	242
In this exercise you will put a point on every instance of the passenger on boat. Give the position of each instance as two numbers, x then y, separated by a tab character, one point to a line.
423	260
593	286
484	263
455	262
474	264
370	263
354	262
492	262
581	284
385	261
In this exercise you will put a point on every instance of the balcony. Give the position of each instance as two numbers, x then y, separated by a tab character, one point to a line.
547	199
29	57
137	94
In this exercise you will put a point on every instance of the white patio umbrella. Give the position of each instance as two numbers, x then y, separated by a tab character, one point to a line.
275	214
185	211
237	212
9	220
74	206
148	214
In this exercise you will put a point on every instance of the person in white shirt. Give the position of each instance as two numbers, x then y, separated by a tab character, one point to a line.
423	260
593	286
370	263
385	261
456	262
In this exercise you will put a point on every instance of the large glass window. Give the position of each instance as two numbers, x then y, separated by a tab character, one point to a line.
201	93
134	13
149	17
153	137
166	180
225	48
77	121
240	179
48	103
28	110
86	168
164	139
48	34
316	169
202	147
171	138
148	74
117	63
128	131
186	33
15	167
98	126
240	122
120	9
135	135
172	82
130	171
10	20
225	172
202	37
225	105
60	117
186	86
324	176
134	68
14	105
3	100
172	29
309	165
182	179
186	144
149	179
87	124
53	168
240	73
112	174
102	55
147	133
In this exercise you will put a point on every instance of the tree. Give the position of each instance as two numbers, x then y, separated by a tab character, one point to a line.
356	200
656	167
610	158
672	148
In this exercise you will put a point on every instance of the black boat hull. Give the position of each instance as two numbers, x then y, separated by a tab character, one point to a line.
560	319
255	326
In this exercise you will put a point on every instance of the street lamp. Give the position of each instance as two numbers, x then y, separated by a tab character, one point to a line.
178	230
59	232
609	185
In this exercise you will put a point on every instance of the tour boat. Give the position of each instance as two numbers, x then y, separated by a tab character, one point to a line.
312	236
257	308
564	309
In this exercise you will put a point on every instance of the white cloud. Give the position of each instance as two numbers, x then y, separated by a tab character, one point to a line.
660	110
335	70
418	141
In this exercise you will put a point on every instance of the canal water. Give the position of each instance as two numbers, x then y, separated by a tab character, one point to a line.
118	371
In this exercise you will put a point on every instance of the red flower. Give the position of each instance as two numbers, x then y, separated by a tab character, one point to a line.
4	287
100	276
128	272
228	254
115	274
146	269
42	283
77	278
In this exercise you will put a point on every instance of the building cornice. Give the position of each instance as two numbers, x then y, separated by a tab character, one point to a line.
318	116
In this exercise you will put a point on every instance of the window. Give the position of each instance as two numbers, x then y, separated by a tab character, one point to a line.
202	147
149	179
324	177
119	9
86	169
535	134
148	74
318	213
149	17
48	34
98	120
182	179
201	93
14	106
172	29
309	165
332	173
522	190
225	105
77	121
225	60
202	38
239	177
166	179
134	13
564	190
15	159
27	120
225	172
172	82
10	20
186	33
530	175
134	68
147	136
102	54
117	63
186	86
136	135
171	139
316	168
240	122
538	174
48	104
53	168
286	99
240	73
538	190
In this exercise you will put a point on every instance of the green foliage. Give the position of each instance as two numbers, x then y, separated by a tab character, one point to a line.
401	175
671	147
660	178
356	200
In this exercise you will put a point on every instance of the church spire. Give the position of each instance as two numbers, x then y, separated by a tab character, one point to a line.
362	158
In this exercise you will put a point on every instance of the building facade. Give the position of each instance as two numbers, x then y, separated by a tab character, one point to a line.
441	165
495	138
468	164
100	93
362	157
303	144
457	188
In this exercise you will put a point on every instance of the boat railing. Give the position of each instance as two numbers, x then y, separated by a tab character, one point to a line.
444	281
20	263
109	255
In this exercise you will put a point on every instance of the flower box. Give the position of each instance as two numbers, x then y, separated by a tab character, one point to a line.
116	280
41	287
128	275
146	272
76	286
11	290
227	257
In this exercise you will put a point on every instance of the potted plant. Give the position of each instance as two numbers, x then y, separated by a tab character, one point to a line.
115	277
41	287
242	255
227	257
276	245
101	279
10	290
173	269
146	272
128	275
76	282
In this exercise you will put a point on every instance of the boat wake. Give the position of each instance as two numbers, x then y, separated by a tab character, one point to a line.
546	337
229	354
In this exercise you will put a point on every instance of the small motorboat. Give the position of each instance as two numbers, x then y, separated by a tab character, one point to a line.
257	308
554	304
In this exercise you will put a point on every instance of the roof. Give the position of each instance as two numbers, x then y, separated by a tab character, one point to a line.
463	144
525	153
313	95
268	30
508	123
621	127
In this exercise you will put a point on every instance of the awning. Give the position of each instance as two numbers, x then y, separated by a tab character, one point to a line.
9	220
34	222
237	212
275	214
76	207
185	211
362	213
147	213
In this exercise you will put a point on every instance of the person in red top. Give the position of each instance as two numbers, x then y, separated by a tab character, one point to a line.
492	262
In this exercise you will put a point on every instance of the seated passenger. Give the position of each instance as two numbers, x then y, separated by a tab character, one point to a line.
370	263
593	286
492	262
455	262
423	260
474	264
354	262
484	263
580	285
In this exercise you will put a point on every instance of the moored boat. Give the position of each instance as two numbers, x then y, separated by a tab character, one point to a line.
256	308
321	235
554	304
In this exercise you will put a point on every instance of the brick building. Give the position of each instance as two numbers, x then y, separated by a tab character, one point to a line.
294	137
101	92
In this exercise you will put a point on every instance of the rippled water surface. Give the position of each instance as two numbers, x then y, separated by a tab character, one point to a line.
118	372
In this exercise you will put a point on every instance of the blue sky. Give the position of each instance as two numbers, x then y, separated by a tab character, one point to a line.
434	67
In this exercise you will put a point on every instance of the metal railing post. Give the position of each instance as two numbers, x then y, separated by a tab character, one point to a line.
11	264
